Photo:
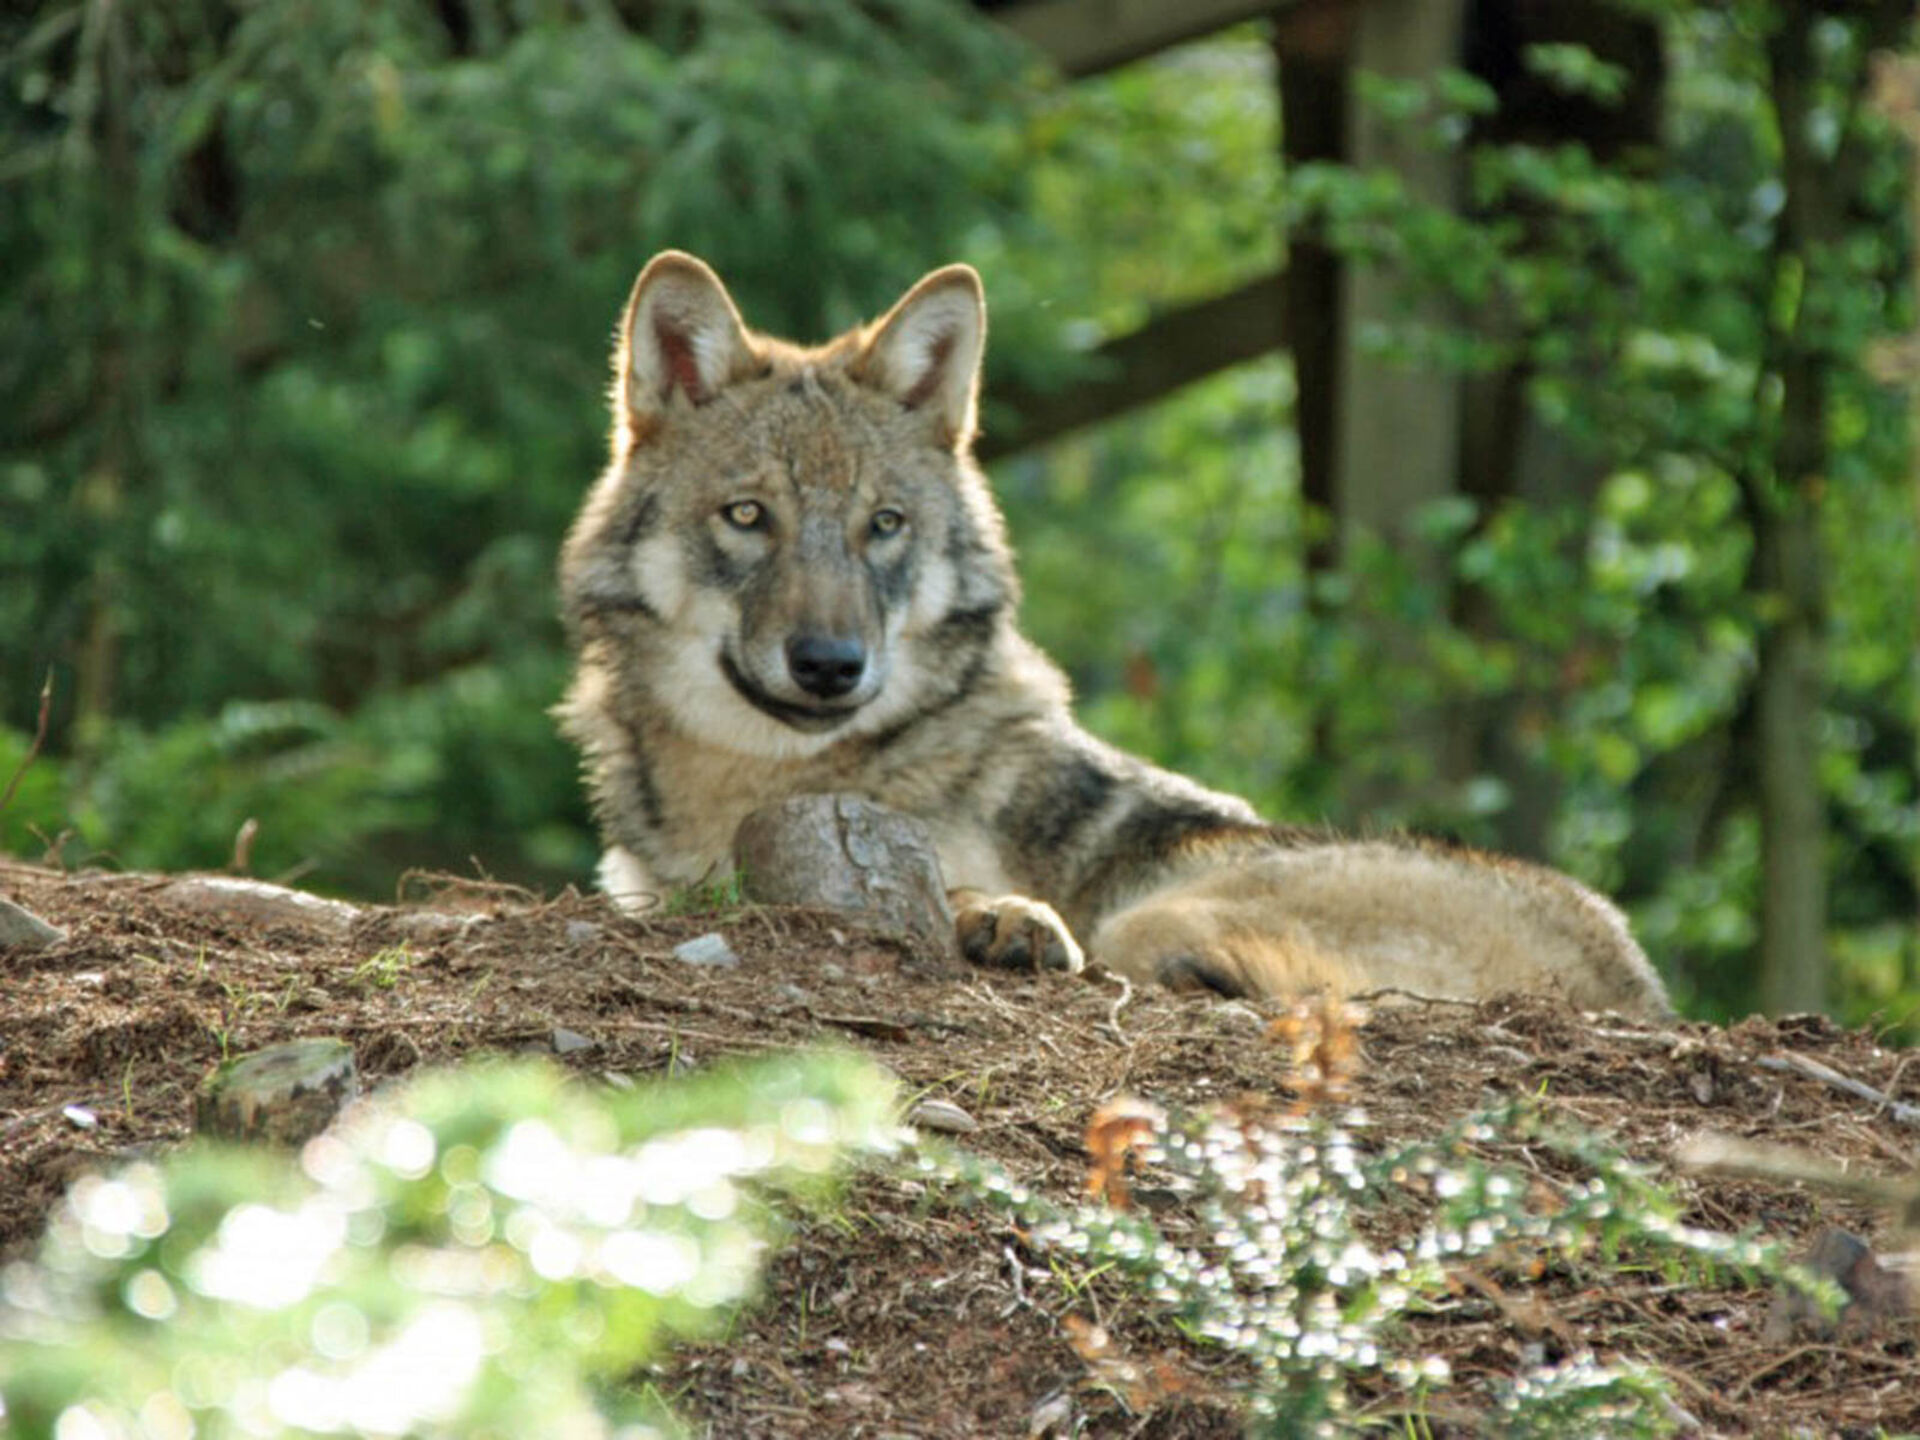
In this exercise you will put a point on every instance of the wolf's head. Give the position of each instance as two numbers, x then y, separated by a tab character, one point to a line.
790	545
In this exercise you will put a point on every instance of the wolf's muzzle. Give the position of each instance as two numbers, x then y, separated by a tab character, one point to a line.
810	718
828	666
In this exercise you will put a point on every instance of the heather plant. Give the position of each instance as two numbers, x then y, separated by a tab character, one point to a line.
1281	1235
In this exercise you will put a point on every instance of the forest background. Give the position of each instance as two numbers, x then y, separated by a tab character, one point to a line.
308	306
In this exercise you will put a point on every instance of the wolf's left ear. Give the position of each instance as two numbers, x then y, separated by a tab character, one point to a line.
925	352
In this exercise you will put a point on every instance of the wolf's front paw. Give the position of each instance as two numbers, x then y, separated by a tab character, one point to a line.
1014	933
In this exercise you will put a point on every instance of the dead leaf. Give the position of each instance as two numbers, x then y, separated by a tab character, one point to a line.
1322	1036
1142	1384
1116	1130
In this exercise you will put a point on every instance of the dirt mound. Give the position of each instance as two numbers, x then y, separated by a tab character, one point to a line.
910	1318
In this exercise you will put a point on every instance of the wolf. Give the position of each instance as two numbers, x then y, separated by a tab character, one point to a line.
792	578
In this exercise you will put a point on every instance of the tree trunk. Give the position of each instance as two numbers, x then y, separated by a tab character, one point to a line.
102	144
1378	439
1313	128
1793	821
1396	440
1784	503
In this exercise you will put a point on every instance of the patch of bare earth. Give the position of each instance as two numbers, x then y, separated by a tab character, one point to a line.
904	1314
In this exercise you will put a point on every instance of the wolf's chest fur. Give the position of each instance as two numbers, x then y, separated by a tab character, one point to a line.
700	792
792	578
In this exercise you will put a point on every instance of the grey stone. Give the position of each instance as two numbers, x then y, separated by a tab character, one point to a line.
282	1095
21	929
710	950
843	852
942	1115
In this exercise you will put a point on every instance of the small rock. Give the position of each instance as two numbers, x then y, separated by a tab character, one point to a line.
23	930
793	994
424	925
1873	1292
283	1095
942	1115
710	950
582	932
80	1117
567	1042
1051	1417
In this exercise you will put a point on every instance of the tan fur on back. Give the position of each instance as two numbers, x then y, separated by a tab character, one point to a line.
792	578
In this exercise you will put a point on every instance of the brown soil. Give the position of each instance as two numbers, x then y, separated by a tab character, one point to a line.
910	1317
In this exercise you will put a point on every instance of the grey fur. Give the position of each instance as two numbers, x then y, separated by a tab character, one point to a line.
746	503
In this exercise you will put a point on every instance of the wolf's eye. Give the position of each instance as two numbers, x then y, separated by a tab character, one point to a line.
887	522
745	515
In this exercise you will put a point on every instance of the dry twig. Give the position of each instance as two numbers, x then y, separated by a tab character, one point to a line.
1786	1060
33	748
1716	1154
1112	1023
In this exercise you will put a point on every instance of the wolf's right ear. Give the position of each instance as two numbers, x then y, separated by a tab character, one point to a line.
681	336
925	352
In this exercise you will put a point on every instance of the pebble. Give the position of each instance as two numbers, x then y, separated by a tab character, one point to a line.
942	1115
566	1042
23	930
710	950
1052	1416
426	925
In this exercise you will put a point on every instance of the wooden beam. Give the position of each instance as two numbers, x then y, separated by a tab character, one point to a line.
1145	365
1085	37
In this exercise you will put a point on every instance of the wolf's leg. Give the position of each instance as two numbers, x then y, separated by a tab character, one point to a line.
1192	940
627	881
1013	932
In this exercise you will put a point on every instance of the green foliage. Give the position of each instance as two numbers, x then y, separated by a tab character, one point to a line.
382	971
1588	655
489	1252
1297	1247
720	896
313	302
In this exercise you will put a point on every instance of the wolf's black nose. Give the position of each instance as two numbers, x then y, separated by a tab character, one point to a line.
826	665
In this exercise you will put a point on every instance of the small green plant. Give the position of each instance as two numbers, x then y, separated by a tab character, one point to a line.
719	896
373	1286
382	971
